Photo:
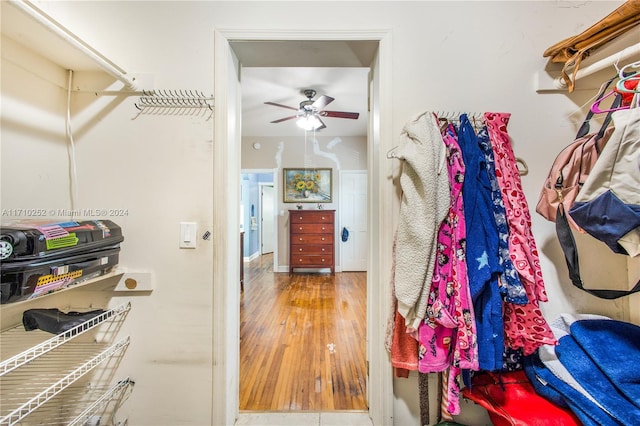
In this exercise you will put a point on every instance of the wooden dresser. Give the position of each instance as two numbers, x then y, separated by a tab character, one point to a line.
311	239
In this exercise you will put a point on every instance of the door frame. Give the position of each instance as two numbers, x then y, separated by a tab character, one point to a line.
380	207
274	173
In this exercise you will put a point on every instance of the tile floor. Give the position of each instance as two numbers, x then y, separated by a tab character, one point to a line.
304	419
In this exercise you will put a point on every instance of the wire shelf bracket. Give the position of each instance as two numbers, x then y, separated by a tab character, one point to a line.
114	392
174	102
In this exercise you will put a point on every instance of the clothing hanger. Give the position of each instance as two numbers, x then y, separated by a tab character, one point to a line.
595	108
392	152
591	100
622	71
634	78
635	102
523	169
626	76
444	124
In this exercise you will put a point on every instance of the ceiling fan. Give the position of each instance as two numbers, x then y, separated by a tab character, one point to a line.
310	111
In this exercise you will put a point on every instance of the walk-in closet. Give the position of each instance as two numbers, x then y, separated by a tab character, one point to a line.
480	219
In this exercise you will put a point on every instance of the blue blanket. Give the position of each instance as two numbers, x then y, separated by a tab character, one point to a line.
603	357
614	346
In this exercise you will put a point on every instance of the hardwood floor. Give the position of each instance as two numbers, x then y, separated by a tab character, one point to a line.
302	340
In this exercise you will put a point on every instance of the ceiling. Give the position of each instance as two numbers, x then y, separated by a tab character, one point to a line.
348	86
275	71
279	71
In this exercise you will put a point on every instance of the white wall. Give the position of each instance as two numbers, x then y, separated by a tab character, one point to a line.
472	56
336	153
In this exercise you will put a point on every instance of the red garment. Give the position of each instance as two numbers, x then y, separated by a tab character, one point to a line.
627	97
524	325
511	400
404	348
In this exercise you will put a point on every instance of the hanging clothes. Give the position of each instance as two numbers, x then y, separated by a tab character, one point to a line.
511	287
424	205
402	346
483	267
447	335
524	325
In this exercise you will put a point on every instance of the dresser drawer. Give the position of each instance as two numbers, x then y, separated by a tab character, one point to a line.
312	238
313	228
318	261
311	249
311	217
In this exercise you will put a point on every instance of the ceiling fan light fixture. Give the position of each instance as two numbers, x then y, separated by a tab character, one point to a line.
309	122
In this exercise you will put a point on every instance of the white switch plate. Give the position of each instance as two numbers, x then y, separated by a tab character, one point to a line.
188	236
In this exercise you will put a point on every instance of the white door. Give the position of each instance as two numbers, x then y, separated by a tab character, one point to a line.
268	225
353	217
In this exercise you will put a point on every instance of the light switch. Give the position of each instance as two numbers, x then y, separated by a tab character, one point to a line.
188	237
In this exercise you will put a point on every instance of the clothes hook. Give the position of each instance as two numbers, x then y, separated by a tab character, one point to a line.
525	169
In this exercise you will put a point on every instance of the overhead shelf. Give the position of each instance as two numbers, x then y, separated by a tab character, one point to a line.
547	82
30	26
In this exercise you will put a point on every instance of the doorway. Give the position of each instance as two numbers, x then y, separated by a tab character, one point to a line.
380	205
267	222
258	213
311	309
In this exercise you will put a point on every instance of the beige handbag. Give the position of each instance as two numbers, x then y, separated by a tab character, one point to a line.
572	166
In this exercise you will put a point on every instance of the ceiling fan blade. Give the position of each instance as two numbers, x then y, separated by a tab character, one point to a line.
340	114
285	119
322	102
322	122
281	106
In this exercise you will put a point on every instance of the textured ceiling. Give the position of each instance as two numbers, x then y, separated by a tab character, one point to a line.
348	86
278	71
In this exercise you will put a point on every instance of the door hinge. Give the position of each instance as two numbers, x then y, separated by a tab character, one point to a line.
367	368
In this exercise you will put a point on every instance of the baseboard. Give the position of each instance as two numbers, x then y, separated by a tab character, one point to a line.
318	270
252	257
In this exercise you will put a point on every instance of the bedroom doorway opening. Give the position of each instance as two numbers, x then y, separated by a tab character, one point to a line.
227	141
314	357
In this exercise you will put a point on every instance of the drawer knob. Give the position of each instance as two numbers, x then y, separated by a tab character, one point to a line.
322	249
301	228
300	238
322	217
299	260
323	260
322	238
323	228
300	249
300	217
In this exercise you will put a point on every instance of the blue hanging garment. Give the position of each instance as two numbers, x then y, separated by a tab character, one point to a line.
345	234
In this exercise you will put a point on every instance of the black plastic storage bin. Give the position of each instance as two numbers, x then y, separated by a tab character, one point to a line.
39	258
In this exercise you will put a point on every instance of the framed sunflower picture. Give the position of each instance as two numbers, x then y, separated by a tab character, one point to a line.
307	185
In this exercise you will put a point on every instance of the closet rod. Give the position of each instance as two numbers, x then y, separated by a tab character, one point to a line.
607	62
56	28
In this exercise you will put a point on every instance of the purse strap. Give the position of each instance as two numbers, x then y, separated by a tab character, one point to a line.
568	245
614	105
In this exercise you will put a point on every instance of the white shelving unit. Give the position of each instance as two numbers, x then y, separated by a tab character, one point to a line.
66	378
36	368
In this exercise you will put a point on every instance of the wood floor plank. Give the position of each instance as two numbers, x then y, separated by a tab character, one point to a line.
302	340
